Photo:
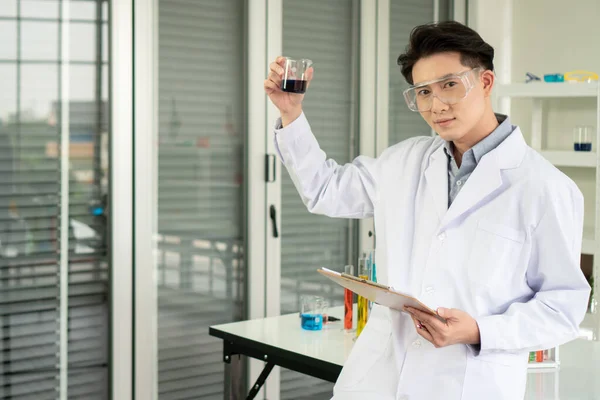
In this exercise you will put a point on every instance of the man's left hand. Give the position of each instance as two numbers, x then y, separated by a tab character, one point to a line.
459	328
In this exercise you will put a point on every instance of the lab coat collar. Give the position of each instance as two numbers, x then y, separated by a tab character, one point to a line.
511	151
483	182
436	176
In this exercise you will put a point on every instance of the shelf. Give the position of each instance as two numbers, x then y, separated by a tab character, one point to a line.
548	90
570	158
543	364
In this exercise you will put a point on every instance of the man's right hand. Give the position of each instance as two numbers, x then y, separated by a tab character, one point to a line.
289	104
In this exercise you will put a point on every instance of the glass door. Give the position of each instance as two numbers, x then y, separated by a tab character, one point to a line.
327	33
200	273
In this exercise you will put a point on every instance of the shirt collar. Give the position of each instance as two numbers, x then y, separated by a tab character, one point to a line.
488	143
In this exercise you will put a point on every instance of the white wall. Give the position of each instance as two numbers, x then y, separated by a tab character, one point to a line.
551	36
546	36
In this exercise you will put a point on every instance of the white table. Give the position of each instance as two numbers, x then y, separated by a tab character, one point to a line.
281	341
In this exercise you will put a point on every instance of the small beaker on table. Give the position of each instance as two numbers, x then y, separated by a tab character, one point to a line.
311	313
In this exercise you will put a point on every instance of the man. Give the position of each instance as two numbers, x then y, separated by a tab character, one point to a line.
473	222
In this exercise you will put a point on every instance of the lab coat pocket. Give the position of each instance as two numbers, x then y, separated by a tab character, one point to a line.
494	254
501	230
370	348
486	375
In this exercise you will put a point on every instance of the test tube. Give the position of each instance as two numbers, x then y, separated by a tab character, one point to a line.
348	269
363	303
539	356
372	271
373	267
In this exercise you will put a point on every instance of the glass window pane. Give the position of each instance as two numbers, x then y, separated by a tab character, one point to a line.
8	8
82	82
8	88
85	9
35	183
404	16
39	91
8	40
39	40
201	266
325	36
30	187
89	185
105	82
105	44
82	43
39	8
85	112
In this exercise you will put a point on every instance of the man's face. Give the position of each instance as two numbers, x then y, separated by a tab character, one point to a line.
452	122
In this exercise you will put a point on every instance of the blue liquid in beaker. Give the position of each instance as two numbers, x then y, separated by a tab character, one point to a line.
312	322
583	147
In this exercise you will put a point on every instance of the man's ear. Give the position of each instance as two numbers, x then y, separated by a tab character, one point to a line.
488	79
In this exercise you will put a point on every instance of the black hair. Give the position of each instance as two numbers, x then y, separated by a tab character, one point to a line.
447	36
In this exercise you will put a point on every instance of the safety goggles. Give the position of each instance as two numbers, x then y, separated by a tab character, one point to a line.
449	90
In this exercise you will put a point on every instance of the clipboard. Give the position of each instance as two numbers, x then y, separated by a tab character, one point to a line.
377	293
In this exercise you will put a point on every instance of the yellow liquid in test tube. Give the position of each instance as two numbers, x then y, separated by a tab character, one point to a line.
363	310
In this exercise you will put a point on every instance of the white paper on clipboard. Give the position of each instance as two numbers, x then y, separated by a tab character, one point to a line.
377	293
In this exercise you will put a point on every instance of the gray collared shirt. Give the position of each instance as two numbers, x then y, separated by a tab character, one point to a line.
457	177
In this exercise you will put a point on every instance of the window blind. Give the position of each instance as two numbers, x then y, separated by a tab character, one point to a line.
200	193
325	32
30	194
404	16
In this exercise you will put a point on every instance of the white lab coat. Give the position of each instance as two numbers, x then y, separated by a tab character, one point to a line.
506	251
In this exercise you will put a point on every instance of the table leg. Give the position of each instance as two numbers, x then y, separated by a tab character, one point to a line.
234	382
260	381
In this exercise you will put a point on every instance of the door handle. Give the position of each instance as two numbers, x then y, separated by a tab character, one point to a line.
273	215
270	168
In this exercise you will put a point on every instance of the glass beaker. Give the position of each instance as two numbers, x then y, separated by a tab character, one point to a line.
311	312
294	75
582	137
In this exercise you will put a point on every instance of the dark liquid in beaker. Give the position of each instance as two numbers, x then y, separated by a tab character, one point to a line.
293	86
583	147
